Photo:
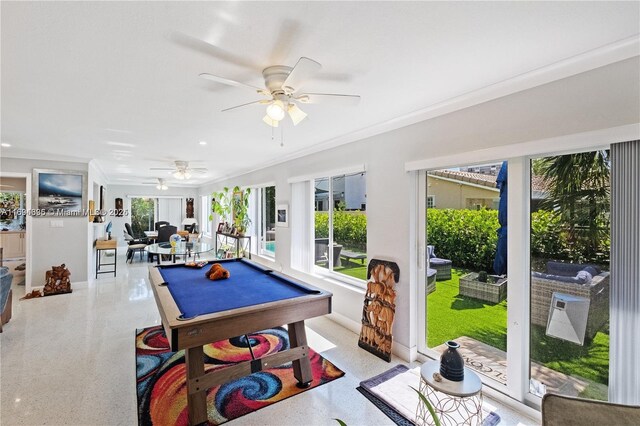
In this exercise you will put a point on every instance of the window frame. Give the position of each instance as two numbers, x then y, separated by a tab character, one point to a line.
329	272
431	198
205	211
519	158
261	225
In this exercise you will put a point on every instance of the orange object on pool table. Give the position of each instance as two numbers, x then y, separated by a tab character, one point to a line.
217	272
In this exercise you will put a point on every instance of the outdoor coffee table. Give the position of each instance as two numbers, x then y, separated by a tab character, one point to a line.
455	403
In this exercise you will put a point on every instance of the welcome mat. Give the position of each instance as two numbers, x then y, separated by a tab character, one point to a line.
391	392
161	377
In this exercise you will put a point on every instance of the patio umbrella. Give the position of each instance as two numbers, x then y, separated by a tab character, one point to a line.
500	260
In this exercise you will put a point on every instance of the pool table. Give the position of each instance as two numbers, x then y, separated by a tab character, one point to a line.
196	311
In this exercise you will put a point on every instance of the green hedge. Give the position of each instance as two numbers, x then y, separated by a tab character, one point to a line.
349	229
467	237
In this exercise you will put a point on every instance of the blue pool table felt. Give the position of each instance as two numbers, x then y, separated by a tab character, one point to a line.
197	295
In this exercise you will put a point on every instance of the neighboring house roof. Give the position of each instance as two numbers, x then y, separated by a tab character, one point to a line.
538	184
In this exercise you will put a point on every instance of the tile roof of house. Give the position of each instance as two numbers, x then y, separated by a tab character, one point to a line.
537	182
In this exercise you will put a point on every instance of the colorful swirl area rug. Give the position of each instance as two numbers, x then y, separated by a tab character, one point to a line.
161	380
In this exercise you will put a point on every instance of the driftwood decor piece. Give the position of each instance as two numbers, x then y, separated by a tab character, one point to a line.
57	281
379	308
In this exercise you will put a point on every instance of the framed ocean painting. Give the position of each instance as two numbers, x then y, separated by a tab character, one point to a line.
59	192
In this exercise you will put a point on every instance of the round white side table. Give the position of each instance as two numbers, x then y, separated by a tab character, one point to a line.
455	403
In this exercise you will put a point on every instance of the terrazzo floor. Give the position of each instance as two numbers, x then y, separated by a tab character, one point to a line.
69	360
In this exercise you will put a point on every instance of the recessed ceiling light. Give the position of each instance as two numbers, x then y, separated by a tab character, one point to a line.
6	145
203	142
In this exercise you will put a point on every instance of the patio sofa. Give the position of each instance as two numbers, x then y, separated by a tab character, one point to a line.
586	281
441	266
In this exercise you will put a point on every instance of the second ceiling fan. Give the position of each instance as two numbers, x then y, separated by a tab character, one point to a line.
182	170
283	91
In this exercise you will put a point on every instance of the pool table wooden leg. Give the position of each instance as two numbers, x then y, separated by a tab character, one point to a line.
196	396
302	366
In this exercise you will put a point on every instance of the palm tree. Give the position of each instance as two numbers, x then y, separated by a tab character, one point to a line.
579	194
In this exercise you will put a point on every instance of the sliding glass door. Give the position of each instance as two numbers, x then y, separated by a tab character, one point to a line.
466	274
553	322
570	241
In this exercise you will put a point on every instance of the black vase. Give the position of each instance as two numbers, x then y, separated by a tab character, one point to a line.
451	363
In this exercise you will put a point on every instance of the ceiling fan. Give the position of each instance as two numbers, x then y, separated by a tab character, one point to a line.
283	92
182	170
159	185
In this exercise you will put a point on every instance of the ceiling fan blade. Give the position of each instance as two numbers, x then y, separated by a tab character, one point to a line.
289	33
199	171
162	168
301	72
230	82
209	49
334	98
261	101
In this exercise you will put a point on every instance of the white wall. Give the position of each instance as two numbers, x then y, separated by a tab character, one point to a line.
599	99
53	246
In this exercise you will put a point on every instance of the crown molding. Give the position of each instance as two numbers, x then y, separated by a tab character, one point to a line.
605	55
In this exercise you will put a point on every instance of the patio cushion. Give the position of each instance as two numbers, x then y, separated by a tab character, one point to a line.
584	276
570	269
592	270
561	278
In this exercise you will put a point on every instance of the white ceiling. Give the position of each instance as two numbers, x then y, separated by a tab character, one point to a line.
116	82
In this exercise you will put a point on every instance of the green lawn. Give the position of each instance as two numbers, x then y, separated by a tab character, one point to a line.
354	269
450	315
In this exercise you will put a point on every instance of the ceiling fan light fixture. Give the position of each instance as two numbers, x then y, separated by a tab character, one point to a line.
162	187
275	111
296	114
182	174
269	121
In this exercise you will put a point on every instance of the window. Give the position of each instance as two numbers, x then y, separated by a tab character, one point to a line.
466	285
11	203
142	215
340	243
570	239
205	209
266	222
146	211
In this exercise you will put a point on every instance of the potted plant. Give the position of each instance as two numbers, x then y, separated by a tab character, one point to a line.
240	206
221	205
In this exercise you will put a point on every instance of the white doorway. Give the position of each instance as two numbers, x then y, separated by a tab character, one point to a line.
15	226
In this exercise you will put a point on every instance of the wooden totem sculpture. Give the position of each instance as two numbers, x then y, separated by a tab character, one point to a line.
57	280
379	308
